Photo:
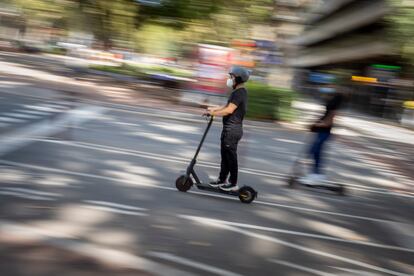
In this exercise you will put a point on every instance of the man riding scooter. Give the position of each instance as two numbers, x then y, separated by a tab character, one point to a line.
233	114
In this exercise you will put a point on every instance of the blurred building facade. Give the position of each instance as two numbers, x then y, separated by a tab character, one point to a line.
287	22
342	32
350	38
10	25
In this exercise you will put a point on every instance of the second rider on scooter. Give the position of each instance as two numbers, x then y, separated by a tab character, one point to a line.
233	114
322	129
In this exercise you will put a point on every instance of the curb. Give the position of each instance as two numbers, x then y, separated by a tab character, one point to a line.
118	77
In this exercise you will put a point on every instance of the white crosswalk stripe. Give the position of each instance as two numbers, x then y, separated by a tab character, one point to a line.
57	106
26	196
35	112
11	120
41	108
28	193
20	115
28	112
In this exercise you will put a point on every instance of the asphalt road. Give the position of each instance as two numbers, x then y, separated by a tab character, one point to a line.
103	188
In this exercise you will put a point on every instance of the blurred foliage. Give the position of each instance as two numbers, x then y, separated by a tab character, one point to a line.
269	103
401	31
55	50
124	69
200	21
112	20
130	24
143	71
182	12
156	39
40	10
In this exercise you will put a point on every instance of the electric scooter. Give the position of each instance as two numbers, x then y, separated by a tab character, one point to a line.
184	182
299	170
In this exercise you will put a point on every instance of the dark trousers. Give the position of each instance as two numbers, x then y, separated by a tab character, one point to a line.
316	150
229	165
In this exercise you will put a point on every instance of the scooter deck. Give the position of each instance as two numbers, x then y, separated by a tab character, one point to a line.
329	187
207	187
325	187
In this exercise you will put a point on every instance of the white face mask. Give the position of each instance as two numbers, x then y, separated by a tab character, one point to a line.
229	83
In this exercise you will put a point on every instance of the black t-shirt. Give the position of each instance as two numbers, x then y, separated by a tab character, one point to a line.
331	105
239	98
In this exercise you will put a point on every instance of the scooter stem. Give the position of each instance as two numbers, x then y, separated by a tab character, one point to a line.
204	137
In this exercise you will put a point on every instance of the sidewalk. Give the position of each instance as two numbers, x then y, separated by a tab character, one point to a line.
368	126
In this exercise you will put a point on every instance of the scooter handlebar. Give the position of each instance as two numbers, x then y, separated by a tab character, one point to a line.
208	116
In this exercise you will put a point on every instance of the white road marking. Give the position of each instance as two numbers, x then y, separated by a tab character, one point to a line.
127	124
26	196
158	137
176	127
102	254
301	267
117	205
312	251
41	108
288	141
49	169
205	164
21	137
11	120
52	105
190	263
114	210
35	112
21	115
319	211
310	210
355	271
304	234
30	191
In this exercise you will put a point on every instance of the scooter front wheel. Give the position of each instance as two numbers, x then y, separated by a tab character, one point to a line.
247	194
183	183
341	190
292	182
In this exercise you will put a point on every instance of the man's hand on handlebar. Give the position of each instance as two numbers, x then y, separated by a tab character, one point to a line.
208	113
211	109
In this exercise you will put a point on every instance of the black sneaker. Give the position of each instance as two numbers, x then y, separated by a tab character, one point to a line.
229	187
217	183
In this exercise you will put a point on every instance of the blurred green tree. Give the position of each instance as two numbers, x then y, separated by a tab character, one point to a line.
109	21
112	22
401	28
115	22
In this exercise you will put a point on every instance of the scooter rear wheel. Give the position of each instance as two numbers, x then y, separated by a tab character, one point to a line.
341	190
247	194
292	182
183	183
